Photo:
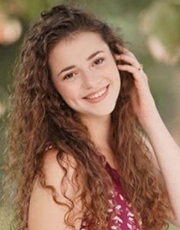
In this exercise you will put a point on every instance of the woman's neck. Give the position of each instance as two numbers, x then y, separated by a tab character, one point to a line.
99	128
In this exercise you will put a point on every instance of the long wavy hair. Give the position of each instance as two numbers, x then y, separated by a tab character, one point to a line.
39	116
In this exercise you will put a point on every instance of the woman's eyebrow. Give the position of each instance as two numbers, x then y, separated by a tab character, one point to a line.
65	69
94	54
73	66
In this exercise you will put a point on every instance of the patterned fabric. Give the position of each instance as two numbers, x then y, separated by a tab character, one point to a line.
121	216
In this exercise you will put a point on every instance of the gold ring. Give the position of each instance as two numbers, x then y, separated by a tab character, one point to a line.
141	67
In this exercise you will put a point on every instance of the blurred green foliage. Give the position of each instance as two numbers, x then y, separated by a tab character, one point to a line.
163	20
126	14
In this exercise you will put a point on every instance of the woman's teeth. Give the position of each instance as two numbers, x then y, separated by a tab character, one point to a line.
96	95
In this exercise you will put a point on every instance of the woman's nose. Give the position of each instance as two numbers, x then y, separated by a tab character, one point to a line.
91	79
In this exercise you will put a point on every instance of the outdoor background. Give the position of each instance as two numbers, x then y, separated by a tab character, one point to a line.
151	28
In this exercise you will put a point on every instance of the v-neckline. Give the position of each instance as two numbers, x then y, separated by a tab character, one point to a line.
107	163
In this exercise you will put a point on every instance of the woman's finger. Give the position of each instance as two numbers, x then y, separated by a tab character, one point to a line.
125	51
138	74
129	59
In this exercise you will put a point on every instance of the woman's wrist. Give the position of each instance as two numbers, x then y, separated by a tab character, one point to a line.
153	123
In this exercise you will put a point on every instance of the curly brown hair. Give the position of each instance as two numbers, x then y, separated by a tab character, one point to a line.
40	116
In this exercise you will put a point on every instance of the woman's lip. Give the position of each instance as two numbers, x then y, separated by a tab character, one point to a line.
89	95
95	100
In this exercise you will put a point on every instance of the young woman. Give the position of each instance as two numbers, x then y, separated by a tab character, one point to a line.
78	156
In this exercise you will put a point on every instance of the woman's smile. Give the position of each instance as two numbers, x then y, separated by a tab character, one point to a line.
99	96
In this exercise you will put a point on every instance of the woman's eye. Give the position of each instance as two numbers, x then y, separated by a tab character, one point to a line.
99	61
69	75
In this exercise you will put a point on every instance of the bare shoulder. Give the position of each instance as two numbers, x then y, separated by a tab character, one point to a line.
44	212
53	171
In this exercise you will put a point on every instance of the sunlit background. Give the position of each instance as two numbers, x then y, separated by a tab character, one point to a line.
150	27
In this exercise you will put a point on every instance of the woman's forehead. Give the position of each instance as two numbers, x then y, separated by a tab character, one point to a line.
83	44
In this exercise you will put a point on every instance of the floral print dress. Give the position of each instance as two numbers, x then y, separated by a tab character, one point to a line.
121	216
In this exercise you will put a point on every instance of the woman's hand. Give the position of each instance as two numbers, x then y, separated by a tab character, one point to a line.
142	100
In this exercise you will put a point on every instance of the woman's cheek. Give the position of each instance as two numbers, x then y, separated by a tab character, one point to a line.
69	93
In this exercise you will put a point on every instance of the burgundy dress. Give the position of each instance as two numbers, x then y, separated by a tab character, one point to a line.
121	216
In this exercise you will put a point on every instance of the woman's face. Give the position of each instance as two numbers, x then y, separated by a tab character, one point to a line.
84	72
